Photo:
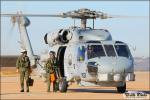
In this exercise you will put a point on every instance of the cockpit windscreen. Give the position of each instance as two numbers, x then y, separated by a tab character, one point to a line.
98	51
95	51
110	50
122	50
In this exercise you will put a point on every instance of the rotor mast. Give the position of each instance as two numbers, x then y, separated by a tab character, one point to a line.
83	23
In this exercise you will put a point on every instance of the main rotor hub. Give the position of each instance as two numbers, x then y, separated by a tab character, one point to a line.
85	14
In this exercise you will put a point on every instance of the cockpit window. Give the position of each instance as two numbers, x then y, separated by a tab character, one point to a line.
95	51
110	50
122	50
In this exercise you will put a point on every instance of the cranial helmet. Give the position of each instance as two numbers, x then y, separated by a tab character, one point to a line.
52	52
23	51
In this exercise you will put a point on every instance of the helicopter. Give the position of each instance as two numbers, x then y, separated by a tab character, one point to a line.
85	55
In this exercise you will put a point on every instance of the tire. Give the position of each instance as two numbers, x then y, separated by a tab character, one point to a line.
121	89
63	85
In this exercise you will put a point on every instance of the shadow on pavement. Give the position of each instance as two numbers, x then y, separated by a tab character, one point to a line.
93	91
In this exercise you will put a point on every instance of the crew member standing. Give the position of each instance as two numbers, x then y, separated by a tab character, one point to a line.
23	67
50	71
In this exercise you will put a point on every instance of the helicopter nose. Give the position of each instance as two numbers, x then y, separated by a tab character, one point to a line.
106	72
114	69
110	77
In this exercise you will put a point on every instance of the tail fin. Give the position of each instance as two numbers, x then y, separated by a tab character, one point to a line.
25	43
24	38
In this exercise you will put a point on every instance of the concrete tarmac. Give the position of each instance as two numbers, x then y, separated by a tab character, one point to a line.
10	89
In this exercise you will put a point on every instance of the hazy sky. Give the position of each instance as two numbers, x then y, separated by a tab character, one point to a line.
133	31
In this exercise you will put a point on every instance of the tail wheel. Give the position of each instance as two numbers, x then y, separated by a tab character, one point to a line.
63	85
122	89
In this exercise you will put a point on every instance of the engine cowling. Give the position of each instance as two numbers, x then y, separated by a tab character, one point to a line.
62	36
65	36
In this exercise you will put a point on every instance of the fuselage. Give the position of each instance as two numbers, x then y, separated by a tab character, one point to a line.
90	55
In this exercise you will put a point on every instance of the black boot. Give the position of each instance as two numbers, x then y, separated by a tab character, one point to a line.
22	90
27	90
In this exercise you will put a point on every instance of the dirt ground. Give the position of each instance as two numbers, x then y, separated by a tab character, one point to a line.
10	88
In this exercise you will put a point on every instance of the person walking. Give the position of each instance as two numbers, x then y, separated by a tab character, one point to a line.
23	67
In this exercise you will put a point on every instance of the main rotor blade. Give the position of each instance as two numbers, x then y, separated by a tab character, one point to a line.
63	15
32	15
74	15
121	16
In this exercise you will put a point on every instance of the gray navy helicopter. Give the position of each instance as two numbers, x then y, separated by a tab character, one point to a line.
85	55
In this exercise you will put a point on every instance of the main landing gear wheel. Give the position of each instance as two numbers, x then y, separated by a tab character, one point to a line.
121	89
63	85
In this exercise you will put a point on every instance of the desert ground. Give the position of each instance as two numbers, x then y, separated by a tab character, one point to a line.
10	88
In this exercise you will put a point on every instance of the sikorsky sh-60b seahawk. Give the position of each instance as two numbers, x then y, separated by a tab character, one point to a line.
85	55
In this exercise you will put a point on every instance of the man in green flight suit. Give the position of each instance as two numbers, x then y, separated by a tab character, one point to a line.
50	67
23	66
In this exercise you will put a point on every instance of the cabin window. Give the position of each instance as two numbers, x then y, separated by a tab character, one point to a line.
110	50
81	53
95	51
122	50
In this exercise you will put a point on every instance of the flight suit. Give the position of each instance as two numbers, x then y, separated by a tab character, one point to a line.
50	67
23	64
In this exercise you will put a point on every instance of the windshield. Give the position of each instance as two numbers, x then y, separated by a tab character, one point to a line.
110	50
122	50
95	51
